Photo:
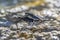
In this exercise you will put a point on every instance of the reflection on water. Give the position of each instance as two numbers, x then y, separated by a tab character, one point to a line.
8	2
4	3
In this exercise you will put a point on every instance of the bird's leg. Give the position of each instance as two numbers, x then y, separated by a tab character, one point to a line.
17	25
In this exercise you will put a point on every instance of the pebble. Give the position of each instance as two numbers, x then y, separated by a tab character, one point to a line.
55	38
13	27
46	30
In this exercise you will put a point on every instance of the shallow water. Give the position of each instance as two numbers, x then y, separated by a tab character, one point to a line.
8	2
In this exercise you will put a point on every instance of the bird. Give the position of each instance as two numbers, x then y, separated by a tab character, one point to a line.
28	17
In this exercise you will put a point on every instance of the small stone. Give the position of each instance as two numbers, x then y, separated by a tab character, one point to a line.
58	18
13	27
55	38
